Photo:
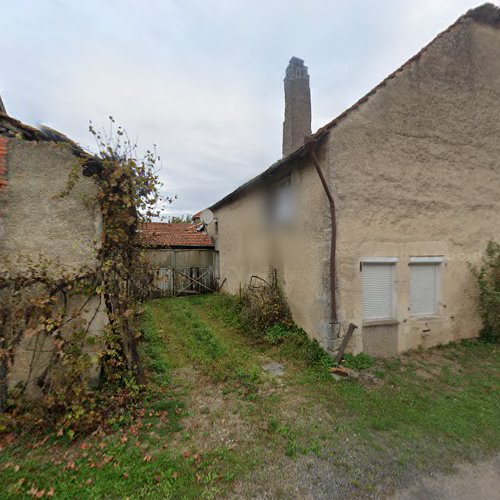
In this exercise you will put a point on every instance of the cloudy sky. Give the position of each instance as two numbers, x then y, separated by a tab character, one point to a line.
202	79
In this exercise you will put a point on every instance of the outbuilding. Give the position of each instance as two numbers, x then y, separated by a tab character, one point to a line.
182	255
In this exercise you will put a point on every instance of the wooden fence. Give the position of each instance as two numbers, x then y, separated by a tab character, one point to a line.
171	281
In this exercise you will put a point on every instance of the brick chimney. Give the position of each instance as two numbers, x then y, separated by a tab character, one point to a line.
297	124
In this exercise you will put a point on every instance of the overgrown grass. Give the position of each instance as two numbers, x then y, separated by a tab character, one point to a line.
443	403
206	378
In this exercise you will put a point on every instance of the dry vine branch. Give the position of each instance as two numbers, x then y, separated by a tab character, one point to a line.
37	301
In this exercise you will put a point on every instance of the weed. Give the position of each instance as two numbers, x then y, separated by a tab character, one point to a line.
276	333
488	280
359	361
273	424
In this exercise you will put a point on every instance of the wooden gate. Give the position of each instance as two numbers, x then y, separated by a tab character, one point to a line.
183	281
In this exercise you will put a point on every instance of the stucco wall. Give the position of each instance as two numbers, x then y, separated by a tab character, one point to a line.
38	225
300	253
416	171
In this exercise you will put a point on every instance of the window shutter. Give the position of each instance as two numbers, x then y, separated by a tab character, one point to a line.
377	291
423	282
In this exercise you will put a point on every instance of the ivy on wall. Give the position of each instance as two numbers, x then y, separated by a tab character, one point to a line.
49	307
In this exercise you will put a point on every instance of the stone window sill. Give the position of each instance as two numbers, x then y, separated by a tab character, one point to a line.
381	322
426	318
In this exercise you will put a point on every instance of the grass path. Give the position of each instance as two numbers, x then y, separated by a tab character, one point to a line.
215	423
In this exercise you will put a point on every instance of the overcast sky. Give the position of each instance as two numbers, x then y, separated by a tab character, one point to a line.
202	79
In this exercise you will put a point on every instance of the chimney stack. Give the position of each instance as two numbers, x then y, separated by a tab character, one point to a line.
297	124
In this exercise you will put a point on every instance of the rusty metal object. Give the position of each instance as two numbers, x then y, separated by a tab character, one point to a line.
345	341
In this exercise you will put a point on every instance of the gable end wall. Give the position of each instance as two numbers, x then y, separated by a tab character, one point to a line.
416	171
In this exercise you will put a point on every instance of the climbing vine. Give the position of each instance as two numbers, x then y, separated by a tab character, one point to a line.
488	281
56	313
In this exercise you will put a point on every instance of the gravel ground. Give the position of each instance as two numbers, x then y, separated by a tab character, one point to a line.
480	481
314	478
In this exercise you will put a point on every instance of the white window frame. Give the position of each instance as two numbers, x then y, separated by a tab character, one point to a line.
438	261
392	262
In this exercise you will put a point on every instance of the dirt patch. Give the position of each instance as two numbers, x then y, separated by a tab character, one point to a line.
214	415
480	480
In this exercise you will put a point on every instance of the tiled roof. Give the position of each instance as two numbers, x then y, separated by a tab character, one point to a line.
161	234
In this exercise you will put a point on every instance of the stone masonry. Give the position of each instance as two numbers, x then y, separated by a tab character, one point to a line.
297	124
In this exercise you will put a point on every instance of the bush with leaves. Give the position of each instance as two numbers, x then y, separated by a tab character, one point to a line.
488	280
264	313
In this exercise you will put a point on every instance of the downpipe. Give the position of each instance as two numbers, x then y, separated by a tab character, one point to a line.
333	258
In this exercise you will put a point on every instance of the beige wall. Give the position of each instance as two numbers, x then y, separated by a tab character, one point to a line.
300	254
35	222
38	225
416	172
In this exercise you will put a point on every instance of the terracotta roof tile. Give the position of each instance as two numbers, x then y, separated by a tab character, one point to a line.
161	234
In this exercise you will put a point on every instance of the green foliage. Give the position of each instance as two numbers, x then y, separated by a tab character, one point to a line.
47	303
359	361
267	307
273	424
179	219
300	346
278	332
488	280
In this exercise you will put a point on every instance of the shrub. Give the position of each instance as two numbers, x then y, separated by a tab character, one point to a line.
264	313
488	280
295	343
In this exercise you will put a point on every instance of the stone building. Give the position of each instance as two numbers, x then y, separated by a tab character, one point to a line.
38	226
410	198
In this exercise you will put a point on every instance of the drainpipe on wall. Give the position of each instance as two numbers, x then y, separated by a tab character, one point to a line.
333	245
333	259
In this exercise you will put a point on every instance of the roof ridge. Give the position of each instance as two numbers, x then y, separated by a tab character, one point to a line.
487	13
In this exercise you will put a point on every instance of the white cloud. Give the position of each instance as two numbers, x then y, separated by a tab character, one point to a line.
202	80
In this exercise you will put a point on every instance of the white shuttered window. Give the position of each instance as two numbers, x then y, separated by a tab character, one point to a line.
424	289
378	291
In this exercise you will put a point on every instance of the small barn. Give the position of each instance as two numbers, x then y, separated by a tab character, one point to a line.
182	255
